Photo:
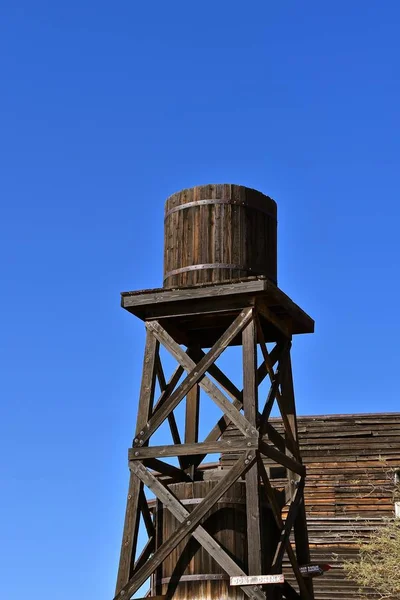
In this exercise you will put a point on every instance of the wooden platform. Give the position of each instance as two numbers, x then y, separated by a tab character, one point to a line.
198	315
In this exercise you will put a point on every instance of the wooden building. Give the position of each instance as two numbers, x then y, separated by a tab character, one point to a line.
351	463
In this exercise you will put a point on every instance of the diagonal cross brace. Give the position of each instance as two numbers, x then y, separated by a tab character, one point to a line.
224	421
133	510
190	524
197	375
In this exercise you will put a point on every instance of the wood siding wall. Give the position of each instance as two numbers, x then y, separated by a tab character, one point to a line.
350	461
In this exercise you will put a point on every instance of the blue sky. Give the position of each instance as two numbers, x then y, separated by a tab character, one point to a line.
106	109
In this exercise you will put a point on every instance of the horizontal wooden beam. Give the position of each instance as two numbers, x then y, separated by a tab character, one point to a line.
225	446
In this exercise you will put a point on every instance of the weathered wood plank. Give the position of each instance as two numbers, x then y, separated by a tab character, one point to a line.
140	301
238	444
250	405
160	295
192	425
147	387
159	520
192	415
130	532
288	409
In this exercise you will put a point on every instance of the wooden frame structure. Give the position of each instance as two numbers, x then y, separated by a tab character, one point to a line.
249	313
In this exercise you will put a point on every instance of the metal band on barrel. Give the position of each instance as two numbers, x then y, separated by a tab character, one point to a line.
218	201
210	266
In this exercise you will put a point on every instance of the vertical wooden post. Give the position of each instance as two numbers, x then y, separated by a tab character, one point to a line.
192	423
132	513
157	576
250	405
300	523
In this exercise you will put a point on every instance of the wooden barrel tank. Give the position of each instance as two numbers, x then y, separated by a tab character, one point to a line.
214	233
189	572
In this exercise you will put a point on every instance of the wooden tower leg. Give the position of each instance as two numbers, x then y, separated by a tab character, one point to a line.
300	522
136	502
250	405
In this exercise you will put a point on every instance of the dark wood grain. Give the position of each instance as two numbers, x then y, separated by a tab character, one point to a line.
250	405
238	444
223	230
192	426
132	513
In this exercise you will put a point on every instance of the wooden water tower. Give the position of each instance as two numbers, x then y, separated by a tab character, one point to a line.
214	533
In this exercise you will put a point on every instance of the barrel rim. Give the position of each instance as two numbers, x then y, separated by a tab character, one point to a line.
236	185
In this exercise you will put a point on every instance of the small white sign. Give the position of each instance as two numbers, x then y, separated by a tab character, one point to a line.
257	579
